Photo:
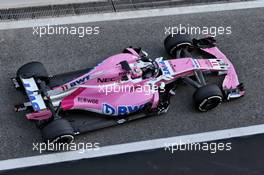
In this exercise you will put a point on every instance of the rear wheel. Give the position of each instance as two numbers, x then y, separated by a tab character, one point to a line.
58	131
207	97
32	69
173	42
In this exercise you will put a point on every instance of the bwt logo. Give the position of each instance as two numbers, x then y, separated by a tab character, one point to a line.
80	81
31	97
121	110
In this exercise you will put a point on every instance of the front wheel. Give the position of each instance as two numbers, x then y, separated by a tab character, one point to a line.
173	42
207	97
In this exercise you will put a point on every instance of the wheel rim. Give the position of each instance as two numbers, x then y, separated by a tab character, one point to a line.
210	103
185	44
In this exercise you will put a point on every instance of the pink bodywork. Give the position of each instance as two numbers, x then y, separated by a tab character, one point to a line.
94	96
89	94
41	115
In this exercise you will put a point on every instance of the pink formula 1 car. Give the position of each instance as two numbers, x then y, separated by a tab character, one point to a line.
125	86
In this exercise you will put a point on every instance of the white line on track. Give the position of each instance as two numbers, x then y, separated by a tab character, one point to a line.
130	147
132	14
33	3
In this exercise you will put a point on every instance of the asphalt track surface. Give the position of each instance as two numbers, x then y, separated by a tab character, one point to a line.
66	53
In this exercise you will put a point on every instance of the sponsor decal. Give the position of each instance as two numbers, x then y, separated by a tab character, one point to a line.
104	80
31	97
32	90
87	100
79	81
121	110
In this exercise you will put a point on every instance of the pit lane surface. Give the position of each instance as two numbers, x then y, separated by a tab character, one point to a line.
162	162
66	53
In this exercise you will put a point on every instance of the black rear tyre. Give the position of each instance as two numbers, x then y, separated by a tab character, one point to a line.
58	131
32	69
172	43
207	97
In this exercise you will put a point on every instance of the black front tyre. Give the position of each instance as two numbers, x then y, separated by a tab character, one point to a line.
172	43
32	69
58	131
207	97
